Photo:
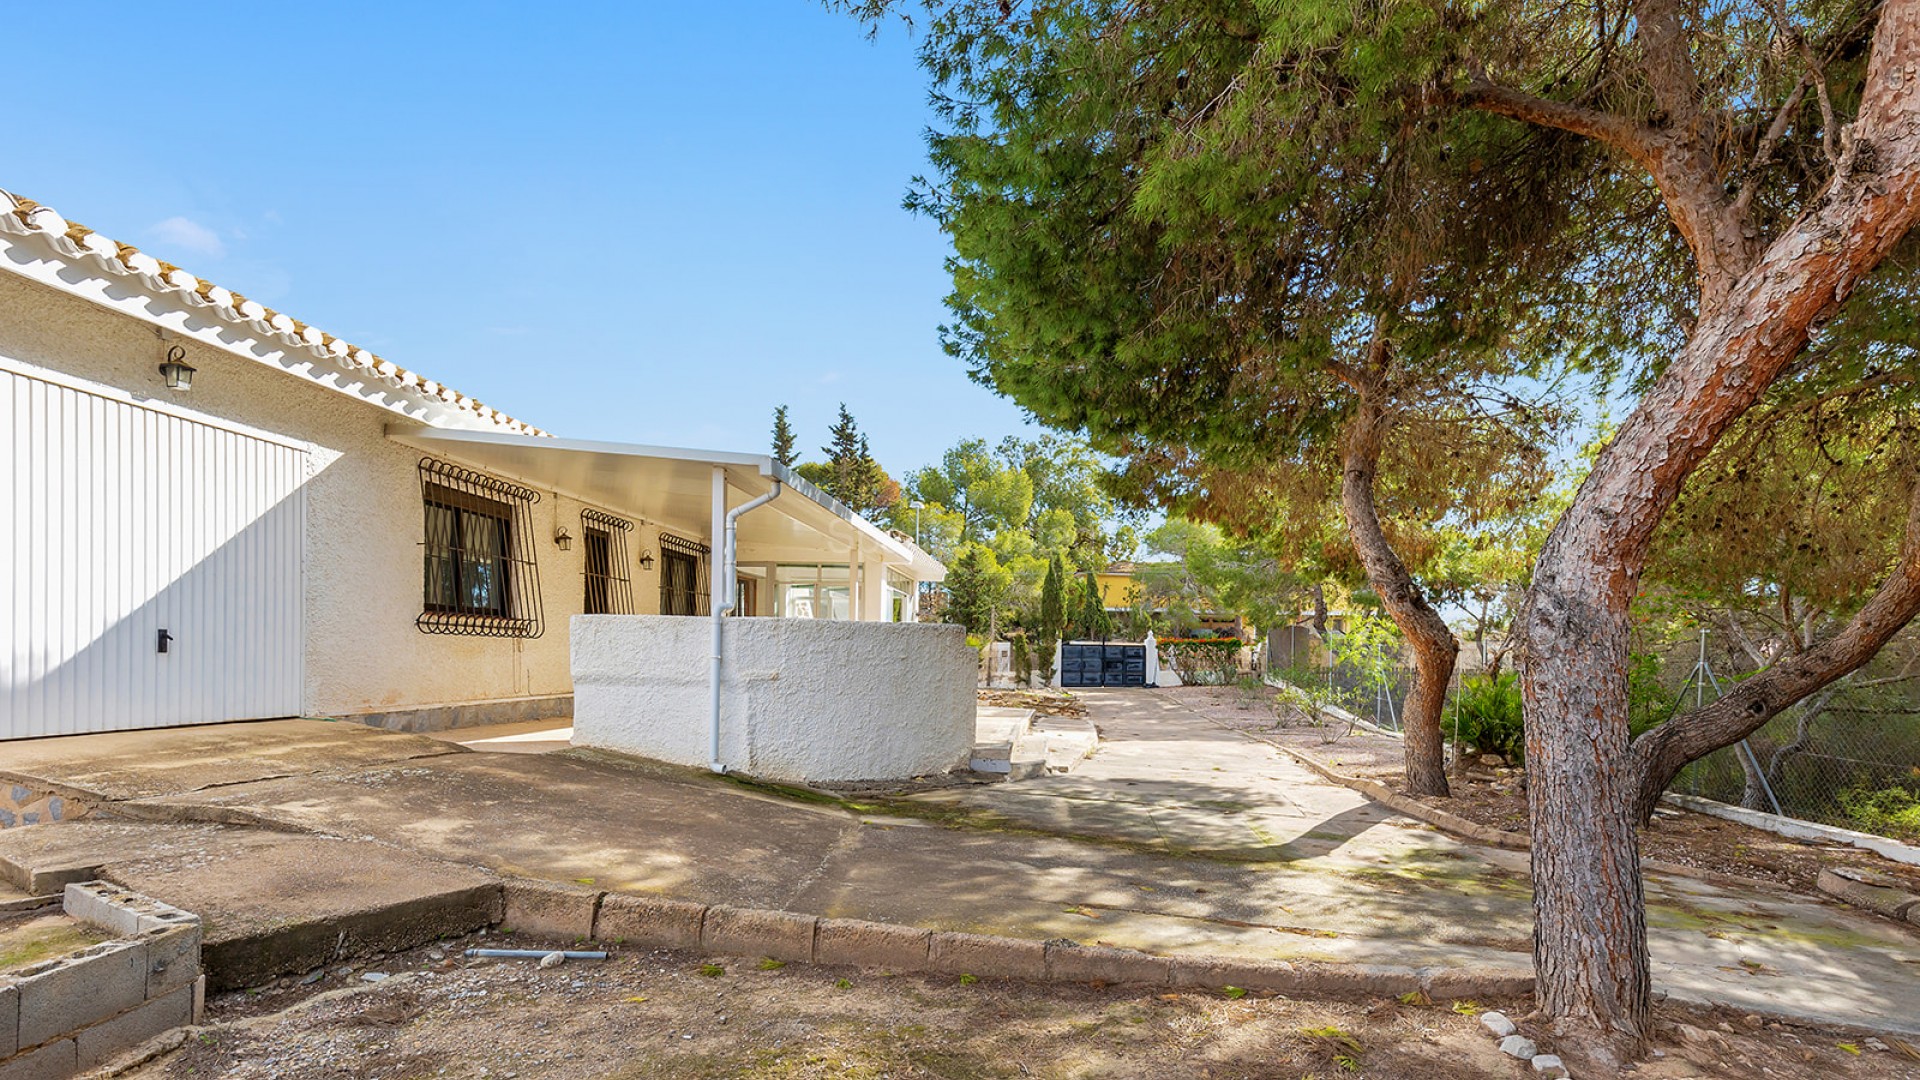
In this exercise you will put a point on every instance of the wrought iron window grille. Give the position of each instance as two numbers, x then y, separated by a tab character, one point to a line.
683	577
480	576
609	573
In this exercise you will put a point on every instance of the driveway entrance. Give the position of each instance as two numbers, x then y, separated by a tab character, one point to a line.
1101	663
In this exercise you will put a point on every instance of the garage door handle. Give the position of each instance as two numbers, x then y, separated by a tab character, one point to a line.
166	639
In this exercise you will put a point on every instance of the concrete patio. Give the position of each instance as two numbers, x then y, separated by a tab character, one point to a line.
1177	837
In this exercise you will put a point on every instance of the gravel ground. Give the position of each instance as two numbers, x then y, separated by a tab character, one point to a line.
665	1014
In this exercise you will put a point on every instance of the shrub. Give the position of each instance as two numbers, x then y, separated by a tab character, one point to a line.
1203	660
1893	811
1490	715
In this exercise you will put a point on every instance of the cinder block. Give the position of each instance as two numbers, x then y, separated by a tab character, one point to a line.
1216	972
72	993
649	920
1098	963
782	935
9	1018
550	909
121	911
131	1028
173	957
54	1061
868	944
987	956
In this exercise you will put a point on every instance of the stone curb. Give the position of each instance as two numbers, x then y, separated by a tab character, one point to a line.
722	930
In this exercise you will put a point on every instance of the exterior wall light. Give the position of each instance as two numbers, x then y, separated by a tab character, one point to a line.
563	540
176	370
646	560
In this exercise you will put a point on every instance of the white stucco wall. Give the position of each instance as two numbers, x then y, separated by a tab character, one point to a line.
365	524
801	699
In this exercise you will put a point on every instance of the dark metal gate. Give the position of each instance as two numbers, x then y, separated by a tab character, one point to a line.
1102	664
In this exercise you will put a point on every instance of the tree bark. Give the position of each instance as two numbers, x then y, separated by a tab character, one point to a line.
1434	646
1585	785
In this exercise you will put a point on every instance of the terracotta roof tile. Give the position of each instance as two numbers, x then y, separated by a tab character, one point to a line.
77	241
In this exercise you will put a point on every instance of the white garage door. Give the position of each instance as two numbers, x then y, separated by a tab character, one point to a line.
150	563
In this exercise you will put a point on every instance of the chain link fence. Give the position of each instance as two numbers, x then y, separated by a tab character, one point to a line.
1848	756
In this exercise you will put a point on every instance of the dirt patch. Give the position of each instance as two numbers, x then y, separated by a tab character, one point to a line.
29	938
1495	797
1042	702
672	1014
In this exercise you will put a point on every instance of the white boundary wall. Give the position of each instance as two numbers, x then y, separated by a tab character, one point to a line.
801	699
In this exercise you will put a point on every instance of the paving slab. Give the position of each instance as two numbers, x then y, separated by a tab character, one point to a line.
578	816
119	765
272	903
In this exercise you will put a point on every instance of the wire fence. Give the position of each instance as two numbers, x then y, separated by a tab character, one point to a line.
1848	756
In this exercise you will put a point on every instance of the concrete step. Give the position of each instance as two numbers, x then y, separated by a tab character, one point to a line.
271	903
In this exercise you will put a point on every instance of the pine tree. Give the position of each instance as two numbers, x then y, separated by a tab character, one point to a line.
846	457
782	438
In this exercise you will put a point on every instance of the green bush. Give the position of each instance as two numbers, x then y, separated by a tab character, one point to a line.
1203	660
1490	715
1893	811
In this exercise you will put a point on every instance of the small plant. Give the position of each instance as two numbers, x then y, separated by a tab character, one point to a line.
1893	812
768	963
1490	715
843	984
968	980
1234	992
1415	997
711	971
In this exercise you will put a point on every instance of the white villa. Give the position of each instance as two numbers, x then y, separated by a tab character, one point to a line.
217	512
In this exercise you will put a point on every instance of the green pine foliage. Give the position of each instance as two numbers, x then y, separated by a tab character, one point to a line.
783	451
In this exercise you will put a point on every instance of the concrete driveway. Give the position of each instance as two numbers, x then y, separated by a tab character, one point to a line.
1177	836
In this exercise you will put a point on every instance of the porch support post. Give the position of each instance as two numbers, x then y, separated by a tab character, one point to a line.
716	588
856	598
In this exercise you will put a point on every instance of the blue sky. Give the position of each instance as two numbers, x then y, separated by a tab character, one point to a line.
644	222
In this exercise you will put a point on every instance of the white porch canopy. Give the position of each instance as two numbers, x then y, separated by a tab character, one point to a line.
674	486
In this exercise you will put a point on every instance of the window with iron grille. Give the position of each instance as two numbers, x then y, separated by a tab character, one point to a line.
480	575
683	577
609	579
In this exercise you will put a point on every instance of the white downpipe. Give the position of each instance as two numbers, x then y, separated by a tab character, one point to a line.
728	589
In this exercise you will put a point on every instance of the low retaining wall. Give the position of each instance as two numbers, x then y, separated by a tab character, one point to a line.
77	1012
801	700
1797	829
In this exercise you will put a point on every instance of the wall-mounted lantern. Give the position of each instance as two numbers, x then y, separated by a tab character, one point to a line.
646	560
176	370
563	540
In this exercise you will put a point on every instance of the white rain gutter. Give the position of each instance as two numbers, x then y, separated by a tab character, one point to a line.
729	588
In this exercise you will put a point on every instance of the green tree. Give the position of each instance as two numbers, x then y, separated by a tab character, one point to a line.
1091	620
1129	263
1053	613
783	451
850	472
975	584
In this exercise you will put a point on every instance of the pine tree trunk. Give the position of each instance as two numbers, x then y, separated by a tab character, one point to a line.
1590	948
1434	647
